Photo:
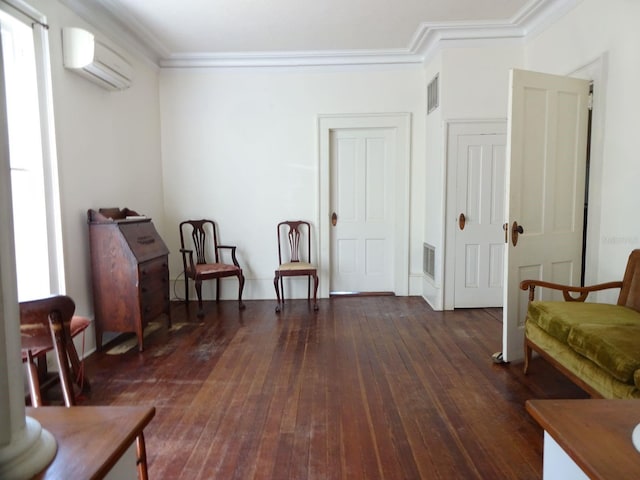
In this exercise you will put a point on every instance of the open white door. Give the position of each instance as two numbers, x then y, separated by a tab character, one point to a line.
546	148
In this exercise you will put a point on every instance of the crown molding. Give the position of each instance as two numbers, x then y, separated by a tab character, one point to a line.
128	34
428	38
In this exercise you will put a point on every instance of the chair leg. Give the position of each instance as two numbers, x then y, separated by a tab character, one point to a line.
186	289
240	289
60	348
96	325
527	356
315	292
282	289
275	284
34	382
77	369
199	294
141	451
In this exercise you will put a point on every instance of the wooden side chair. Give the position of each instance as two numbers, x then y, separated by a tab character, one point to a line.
49	324
207	263
291	241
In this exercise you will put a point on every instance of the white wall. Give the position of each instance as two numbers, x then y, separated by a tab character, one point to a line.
474	84
108	146
434	183
607	30
240	146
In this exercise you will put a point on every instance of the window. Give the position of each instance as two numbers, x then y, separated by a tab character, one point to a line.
31	156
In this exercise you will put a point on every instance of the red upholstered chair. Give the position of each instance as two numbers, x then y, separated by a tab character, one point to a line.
297	259
200	237
48	324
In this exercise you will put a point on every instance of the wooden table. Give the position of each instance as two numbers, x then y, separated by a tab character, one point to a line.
90	440
595	434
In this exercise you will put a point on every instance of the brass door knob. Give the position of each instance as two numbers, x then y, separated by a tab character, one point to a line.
515	231
461	221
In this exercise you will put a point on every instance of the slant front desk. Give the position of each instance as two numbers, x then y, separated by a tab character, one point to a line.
130	272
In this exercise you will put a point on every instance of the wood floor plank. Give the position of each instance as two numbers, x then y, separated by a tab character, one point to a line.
368	388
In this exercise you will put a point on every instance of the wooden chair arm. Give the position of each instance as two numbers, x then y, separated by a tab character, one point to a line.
567	290
233	253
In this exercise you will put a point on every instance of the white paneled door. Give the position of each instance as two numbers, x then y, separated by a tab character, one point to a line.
362	210
480	207
547	148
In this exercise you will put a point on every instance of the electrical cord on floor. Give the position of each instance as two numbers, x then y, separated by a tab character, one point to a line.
176	297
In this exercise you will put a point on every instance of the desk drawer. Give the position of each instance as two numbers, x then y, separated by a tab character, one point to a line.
154	303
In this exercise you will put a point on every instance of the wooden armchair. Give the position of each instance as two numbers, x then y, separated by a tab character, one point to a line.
629	295
594	344
204	242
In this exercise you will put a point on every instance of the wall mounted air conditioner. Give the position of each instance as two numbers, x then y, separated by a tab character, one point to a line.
95	60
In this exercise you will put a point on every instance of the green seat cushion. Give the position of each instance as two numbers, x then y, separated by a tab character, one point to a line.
557	318
614	348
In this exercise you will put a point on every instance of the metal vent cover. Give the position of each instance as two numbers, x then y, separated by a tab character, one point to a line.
433	94
429	260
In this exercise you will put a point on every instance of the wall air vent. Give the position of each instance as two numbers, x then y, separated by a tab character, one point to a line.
433	95
429	260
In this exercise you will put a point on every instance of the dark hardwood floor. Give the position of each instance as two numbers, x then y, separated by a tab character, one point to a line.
365	388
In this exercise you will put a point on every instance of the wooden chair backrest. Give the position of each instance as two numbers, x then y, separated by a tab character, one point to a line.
35	333
294	235
202	233
630	291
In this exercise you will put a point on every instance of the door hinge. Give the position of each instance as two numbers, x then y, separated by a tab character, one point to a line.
590	101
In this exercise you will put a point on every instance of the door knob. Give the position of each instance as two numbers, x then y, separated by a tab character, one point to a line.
461	221
334	219
515	231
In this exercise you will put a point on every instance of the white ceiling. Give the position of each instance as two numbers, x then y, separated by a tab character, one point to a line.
216	29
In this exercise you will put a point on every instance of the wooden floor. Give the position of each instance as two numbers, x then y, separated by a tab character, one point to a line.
365	388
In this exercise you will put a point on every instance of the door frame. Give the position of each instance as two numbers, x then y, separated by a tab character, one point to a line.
401	122
596	72
455	128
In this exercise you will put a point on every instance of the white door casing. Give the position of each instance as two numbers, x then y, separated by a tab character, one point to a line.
362	199
480	192
546	148
400	124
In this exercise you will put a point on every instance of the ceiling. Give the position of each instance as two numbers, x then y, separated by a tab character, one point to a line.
219	30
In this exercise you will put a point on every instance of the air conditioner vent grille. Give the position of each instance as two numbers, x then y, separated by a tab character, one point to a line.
433	95
429	260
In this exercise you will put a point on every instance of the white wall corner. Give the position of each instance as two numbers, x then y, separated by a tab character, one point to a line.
130	35
432	293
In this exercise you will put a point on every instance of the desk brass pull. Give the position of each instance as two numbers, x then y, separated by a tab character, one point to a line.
334	219
146	240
